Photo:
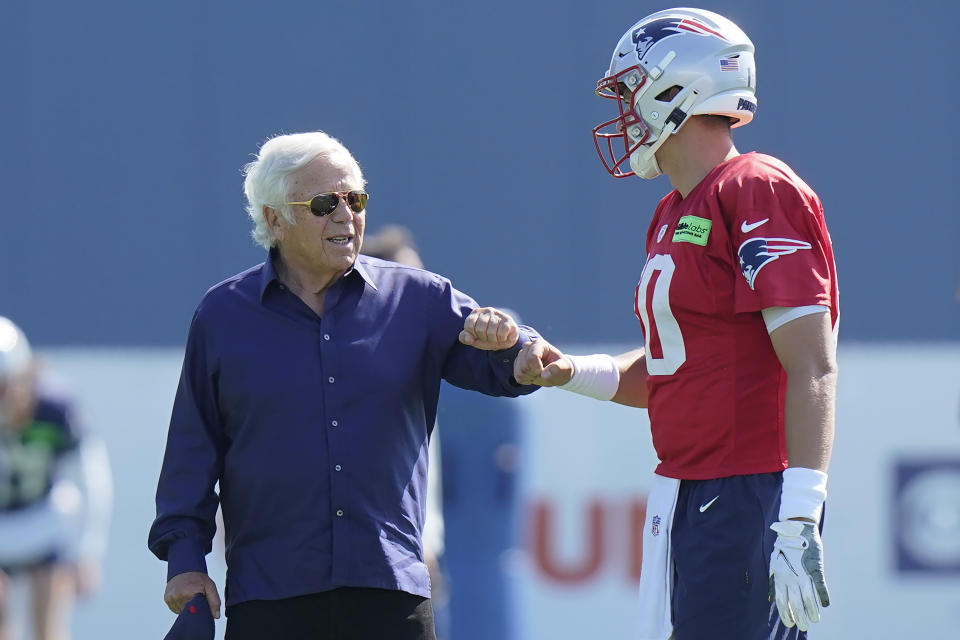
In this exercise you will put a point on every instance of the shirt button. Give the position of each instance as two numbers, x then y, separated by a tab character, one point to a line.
326	336
337	467
334	423
331	379
340	513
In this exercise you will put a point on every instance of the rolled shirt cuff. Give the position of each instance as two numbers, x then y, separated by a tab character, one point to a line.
185	555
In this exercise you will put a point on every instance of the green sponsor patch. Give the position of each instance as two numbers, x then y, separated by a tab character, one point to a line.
693	229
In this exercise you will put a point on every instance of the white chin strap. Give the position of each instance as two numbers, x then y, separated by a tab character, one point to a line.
643	161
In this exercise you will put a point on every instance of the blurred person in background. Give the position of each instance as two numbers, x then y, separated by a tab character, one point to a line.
308	392
55	495
395	243
471	502
738	304
481	452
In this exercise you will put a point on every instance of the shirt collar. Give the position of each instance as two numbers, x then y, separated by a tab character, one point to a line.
360	267
268	274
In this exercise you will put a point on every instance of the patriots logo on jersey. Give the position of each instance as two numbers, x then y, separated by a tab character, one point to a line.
756	253
653	32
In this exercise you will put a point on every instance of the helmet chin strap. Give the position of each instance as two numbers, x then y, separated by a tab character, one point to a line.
643	161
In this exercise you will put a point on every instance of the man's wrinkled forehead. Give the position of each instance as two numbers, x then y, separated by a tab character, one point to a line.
344	161
334	171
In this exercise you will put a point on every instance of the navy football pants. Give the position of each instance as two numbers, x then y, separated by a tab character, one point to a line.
722	543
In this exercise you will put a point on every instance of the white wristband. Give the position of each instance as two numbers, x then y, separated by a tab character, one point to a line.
803	493
596	376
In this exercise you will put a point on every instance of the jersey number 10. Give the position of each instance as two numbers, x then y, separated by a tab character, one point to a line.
665	349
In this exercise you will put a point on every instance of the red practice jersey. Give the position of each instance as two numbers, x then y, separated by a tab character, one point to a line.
751	235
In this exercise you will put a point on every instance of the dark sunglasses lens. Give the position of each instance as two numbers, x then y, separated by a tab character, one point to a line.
324	204
357	200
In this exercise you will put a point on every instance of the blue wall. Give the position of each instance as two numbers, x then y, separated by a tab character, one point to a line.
125	125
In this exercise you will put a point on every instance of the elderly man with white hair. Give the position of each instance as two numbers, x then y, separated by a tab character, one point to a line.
309	392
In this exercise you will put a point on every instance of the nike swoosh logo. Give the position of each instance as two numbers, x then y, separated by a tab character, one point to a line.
706	506
747	228
625	54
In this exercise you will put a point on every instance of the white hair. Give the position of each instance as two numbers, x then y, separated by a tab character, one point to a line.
266	182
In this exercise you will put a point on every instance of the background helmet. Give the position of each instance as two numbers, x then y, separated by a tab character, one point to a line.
15	354
707	57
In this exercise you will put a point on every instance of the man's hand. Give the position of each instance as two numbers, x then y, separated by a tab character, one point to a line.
796	573
489	329
183	586
541	363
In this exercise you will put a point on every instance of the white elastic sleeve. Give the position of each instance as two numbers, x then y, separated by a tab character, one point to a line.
776	317
596	376
803	493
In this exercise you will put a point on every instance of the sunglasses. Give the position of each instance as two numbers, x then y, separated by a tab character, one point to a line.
323	204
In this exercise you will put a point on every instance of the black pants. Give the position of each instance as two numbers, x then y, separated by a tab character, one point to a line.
347	613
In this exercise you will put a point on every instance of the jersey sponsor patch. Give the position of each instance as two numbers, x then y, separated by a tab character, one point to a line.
693	229
756	253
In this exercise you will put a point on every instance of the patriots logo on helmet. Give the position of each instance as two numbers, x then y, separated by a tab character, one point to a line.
756	253
656	30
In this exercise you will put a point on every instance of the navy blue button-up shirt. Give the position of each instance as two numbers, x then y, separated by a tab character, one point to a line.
315	428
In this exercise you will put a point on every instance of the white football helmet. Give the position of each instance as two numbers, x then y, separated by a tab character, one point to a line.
15	361
707	57
15	353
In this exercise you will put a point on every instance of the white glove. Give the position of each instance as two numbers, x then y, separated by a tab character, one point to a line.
796	573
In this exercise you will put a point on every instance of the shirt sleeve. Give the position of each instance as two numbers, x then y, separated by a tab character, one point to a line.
489	372
183	531
781	244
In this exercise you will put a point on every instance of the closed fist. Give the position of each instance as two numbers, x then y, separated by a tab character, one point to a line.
489	329
183	586
541	363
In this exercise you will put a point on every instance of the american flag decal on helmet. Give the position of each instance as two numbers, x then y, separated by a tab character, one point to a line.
729	64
